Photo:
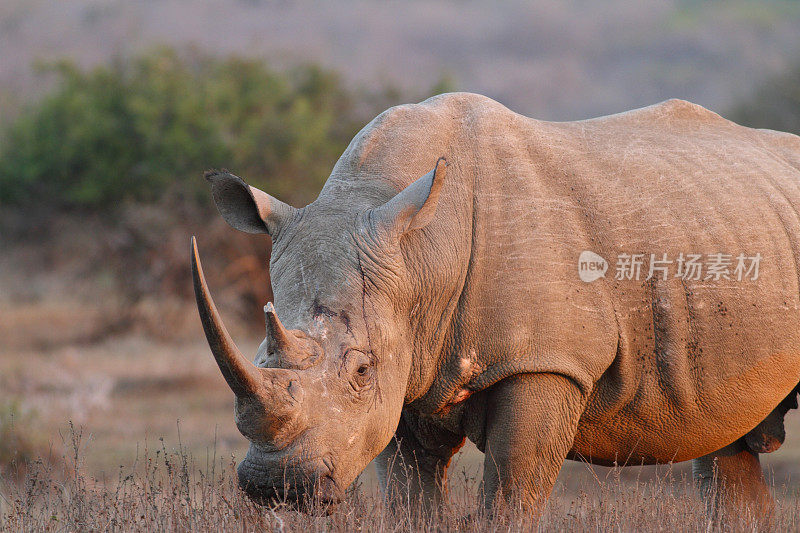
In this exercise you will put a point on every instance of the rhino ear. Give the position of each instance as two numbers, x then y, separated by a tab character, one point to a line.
244	207
413	207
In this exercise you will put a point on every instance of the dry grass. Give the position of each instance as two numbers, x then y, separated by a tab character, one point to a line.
167	490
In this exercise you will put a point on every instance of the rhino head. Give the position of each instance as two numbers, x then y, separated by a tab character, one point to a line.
324	395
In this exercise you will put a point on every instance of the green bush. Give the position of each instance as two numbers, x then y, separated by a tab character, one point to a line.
146	129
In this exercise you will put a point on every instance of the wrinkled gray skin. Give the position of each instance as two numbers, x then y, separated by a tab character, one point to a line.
415	308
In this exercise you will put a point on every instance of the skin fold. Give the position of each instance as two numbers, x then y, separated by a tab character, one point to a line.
431	295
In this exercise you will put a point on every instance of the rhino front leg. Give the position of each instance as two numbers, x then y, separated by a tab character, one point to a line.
530	427
732	484
414	464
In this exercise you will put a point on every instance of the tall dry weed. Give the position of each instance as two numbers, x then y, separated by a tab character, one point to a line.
167	490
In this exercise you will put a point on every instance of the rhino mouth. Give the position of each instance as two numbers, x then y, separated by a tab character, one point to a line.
300	488
324	494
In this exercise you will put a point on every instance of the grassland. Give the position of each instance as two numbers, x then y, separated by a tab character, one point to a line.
165	491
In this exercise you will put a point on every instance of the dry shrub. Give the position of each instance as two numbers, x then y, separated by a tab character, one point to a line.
167	491
20	444
80	278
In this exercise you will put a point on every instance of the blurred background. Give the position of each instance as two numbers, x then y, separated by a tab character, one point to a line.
110	111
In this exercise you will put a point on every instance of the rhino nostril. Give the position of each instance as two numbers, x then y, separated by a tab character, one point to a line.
295	390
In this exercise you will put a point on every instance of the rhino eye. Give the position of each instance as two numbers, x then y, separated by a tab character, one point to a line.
358	366
362	377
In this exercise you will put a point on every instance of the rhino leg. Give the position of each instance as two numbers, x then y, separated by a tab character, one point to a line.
414	464
770	433
767	436
732	484
530	427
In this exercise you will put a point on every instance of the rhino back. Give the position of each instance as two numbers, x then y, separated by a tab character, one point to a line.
699	362
524	198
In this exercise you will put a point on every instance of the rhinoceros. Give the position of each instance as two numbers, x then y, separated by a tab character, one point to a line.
433	293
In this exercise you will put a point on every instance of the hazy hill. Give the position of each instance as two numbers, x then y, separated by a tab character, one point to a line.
547	58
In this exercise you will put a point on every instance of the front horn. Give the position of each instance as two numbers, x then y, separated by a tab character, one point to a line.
242	376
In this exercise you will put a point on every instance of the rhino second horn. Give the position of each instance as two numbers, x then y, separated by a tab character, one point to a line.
243	377
280	340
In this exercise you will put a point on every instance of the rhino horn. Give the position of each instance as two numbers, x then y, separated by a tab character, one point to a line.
290	352
279	337
243	377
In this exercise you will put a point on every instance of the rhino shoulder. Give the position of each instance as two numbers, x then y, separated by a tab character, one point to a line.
458	106
417	134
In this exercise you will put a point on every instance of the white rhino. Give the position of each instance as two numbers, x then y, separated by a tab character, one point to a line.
415	308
